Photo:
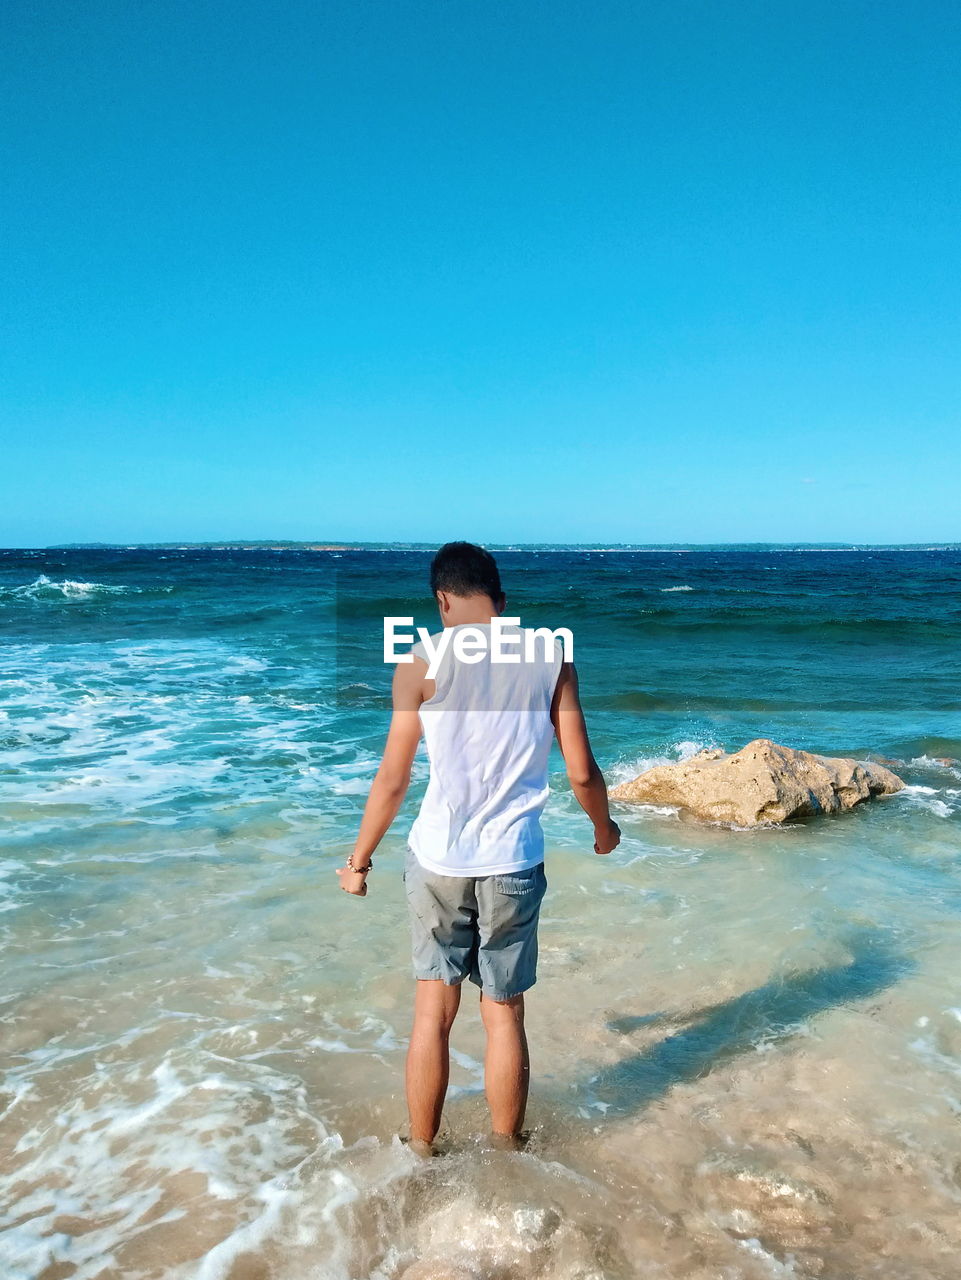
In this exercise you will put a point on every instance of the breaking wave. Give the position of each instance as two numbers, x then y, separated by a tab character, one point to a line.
44	588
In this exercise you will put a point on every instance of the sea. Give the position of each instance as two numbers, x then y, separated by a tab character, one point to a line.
745	1044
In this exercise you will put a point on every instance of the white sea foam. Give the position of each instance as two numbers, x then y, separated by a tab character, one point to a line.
942	803
232	1150
44	588
10	896
119	727
626	769
774	1266
685	749
126	1137
473	1068
935	1047
952	767
680	588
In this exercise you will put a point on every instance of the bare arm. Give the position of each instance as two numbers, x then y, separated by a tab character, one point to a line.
393	776
586	779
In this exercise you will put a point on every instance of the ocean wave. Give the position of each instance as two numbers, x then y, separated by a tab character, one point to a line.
681	588
142	730
44	588
625	770
941	804
942	765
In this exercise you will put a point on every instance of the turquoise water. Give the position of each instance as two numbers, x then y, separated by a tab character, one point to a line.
746	1045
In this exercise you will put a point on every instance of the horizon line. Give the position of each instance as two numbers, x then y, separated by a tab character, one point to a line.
331	545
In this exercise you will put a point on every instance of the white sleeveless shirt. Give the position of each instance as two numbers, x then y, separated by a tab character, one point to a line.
488	734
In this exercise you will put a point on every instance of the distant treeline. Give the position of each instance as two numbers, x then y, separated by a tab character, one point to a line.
257	544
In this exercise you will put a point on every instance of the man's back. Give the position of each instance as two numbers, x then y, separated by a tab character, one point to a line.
488	732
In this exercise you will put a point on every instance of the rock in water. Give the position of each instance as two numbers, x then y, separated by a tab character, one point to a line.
762	783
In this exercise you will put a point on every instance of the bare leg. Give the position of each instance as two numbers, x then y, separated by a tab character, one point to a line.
507	1065
428	1056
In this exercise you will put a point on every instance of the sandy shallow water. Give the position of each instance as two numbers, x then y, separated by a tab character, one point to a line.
771	1091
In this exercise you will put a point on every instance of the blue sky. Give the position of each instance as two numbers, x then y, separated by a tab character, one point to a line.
507	271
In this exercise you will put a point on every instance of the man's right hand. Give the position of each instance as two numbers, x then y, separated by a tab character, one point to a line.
607	838
352	882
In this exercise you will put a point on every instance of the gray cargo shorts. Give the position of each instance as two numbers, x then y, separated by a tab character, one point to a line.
483	928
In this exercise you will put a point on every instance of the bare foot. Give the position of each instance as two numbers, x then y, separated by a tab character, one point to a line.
509	1141
420	1147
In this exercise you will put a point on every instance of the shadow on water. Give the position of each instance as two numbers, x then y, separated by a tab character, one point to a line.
766	1014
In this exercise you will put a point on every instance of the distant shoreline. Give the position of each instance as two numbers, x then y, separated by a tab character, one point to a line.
499	548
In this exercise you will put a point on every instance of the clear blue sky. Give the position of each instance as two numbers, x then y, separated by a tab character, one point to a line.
646	271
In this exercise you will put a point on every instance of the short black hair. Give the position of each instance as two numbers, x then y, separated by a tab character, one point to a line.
464	569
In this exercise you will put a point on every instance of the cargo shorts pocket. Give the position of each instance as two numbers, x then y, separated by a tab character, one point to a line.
517	884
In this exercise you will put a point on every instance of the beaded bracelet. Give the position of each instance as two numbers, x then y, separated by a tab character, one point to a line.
361	871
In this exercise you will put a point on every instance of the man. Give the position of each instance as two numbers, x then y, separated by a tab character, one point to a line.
474	873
